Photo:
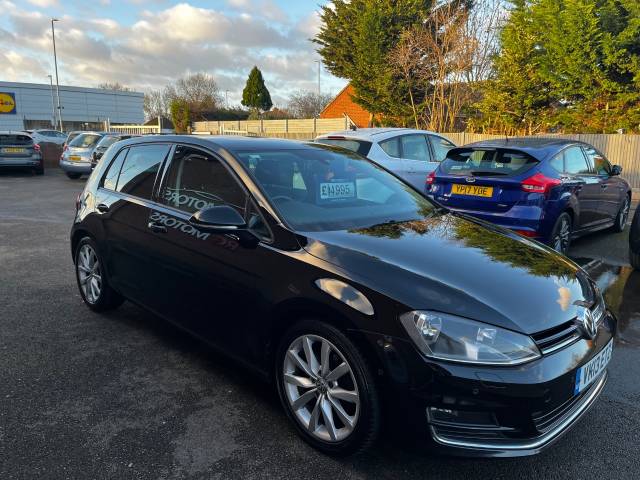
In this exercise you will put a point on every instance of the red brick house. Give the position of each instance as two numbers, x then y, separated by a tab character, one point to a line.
343	105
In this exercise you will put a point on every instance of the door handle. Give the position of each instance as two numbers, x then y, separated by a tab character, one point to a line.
157	228
604	185
102	207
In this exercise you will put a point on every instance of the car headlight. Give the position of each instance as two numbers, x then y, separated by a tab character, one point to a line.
456	339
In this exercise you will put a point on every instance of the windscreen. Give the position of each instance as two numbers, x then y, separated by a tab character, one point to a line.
486	162
106	142
85	140
320	189
361	147
15	139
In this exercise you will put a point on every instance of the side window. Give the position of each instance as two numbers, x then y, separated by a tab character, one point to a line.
391	147
574	161
196	180
414	147
557	163
441	147
140	168
111	178
600	164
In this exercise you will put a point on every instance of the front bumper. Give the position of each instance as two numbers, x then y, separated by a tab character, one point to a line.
75	167
478	411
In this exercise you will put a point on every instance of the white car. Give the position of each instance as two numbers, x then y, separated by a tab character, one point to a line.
410	154
50	136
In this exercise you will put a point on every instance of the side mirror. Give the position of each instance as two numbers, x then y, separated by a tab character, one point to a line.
616	170
219	219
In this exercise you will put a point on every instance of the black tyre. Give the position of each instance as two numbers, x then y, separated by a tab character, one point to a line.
327	389
74	175
94	287
634	241
560	239
623	216
39	170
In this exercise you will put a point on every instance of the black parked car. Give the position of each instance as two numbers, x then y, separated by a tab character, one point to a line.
634	241
363	301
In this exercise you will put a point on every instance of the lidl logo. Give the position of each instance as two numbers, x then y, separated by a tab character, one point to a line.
7	103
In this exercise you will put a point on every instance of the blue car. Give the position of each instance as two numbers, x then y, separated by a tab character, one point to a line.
552	190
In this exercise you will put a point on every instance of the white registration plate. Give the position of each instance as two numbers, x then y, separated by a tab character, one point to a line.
332	191
593	368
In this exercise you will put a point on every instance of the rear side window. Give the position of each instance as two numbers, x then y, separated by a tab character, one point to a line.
140	168
359	146
12	139
486	162
197	180
600	164
574	161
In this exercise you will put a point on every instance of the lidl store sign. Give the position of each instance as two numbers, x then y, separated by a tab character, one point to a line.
7	103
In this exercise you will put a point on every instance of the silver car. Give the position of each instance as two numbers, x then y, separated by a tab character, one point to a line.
76	156
410	154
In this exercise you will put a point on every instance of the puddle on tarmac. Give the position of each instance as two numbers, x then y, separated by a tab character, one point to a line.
621	287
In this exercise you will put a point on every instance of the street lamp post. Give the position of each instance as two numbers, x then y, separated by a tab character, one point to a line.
54	122
55	61
226	98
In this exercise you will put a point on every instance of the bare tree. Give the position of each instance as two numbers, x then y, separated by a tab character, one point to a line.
199	90
306	104
156	104
116	86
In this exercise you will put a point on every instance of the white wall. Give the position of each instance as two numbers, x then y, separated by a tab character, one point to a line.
33	102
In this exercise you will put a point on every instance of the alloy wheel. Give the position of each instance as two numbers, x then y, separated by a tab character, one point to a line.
321	389
89	273
563	236
624	214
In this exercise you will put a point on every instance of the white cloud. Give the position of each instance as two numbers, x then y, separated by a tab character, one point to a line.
44	3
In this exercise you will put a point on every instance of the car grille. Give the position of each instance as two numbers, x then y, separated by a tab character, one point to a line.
563	335
546	421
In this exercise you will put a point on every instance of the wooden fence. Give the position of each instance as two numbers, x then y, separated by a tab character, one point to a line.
623	150
304	129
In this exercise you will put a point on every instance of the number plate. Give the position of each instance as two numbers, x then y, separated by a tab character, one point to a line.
593	368
472	190
75	158
337	190
13	150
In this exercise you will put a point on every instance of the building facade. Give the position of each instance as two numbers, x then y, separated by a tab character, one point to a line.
31	105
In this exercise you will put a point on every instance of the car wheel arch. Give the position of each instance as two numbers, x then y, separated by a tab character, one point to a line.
292	311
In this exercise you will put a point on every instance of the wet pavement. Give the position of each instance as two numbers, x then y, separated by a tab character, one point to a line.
127	396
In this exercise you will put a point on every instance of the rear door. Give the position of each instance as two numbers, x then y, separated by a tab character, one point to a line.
577	170
611	193
124	203
417	158
483	180
440	147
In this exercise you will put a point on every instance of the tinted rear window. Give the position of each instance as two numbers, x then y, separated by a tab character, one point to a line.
486	162
12	139
361	147
85	140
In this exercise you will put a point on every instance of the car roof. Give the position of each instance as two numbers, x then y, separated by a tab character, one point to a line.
538	147
228	142
14	132
375	134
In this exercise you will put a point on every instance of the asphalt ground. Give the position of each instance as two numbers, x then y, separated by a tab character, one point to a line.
127	396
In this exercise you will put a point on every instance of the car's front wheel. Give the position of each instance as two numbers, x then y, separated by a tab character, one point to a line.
327	389
94	287
561	233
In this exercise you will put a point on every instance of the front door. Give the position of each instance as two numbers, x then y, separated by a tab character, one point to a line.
416	155
577	170
611	194
210	280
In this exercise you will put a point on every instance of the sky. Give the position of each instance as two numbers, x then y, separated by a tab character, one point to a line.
146	44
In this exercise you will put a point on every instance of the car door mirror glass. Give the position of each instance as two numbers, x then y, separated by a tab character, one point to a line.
221	218
616	170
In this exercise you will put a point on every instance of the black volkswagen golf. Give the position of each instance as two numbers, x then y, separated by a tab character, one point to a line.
365	303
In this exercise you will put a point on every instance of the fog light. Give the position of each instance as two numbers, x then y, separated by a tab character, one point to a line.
460	417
